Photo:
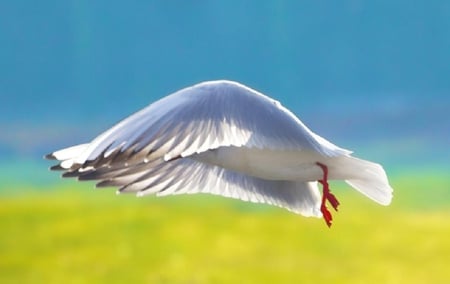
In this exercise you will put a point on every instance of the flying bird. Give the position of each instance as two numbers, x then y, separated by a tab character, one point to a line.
223	138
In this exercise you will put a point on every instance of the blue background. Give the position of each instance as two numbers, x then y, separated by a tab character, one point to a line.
371	76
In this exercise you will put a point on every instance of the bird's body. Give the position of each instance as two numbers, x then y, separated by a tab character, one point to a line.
224	138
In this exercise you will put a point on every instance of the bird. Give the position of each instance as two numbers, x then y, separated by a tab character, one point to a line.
224	138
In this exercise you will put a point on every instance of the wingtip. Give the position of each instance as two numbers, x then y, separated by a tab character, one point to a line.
50	157
70	174
57	168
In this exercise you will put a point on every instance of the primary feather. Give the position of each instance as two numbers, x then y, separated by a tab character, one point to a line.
224	138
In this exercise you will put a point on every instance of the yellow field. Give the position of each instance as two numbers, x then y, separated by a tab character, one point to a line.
79	235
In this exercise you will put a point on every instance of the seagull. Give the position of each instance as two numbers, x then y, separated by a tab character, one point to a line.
224	138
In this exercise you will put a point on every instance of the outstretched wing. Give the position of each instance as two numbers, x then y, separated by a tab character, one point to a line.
149	152
188	176
199	118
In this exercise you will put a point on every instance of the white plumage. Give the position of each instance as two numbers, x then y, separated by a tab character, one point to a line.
221	137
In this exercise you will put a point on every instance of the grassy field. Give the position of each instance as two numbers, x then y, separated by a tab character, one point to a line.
73	234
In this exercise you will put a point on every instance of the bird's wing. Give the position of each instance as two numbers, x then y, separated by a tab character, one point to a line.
186	175
200	118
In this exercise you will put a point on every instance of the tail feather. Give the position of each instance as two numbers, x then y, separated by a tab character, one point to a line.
367	177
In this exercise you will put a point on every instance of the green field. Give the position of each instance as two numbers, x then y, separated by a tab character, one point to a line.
73	234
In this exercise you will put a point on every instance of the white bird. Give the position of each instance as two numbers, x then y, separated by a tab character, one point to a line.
224	138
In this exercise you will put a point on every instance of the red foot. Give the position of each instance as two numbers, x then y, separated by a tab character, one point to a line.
327	195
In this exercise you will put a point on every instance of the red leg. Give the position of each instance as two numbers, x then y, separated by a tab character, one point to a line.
327	195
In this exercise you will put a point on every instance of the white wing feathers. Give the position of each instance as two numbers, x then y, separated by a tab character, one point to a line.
149	151
208	116
187	176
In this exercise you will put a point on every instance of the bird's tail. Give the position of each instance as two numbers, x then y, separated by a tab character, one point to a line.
367	177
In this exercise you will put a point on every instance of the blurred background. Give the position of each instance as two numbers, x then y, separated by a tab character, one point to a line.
370	76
